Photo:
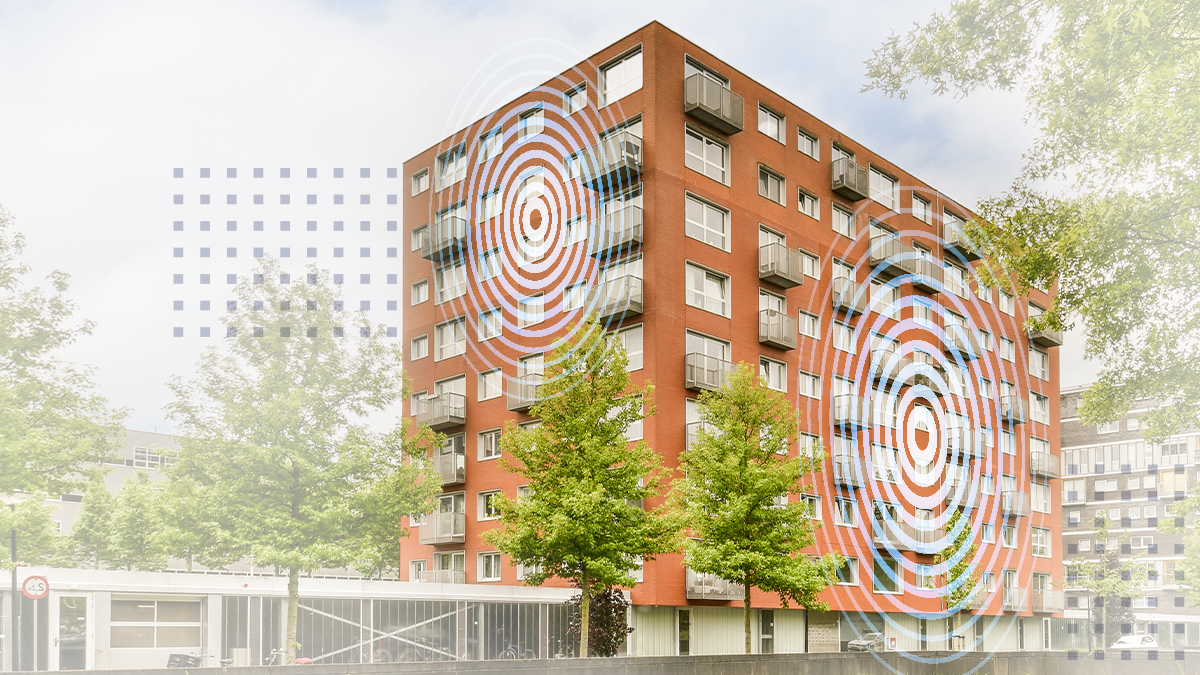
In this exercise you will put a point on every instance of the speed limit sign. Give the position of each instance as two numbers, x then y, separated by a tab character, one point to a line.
35	588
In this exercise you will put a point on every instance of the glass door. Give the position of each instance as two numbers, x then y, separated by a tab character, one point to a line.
70	640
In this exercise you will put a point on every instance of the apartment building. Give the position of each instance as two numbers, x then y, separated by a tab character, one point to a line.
709	221
1112	473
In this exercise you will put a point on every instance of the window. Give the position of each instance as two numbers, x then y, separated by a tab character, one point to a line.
489	264
771	123
843	222
811	264
1008	536
420	291
987	484
955	280
1133	424
770	185
813	502
450	282
622	77
1039	364
705	155
634	432
887	575
575	99
685	631
488	505
531	123
161	624
1008	349
808	144
847	574
885	463
705	222
420	235
416	568
808	445
450	339
809	384
920	209
988	533
490	145
843	337
808	203
885	297
774	372
697	343
1145	541
1041	542
1040	408
489	566
923	311
1040	497
491	324
418	348
1007	304
451	166
846	512
810	325
531	310
883	188
838	152
985	388
420	182
707	290
489	205
1108	427
631	339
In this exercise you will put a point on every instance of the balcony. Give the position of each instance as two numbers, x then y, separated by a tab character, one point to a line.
616	160
928	371
1012	410
891	257
1048	601
962	494
848	297
887	365
616	298
1014	504
1046	338
713	104
953	239
444	411
850	180
617	231
701	586
903	537
777	329
451	466
1016	599
963	442
444	528
848	472
703	372
980	600
927	275
780	265
848	412
963	341
1043	465
446	240
442	576
523	392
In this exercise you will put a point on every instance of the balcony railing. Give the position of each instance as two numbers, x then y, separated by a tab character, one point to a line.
777	329
780	265
953	239
964	341
616	231
891	257
701	586
713	104
847	296
523	392
444	411
848	472
1014	504
1046	338
963	441
451	466
903	536
962	494
446	240
1016	598
617	298
848	412
980	600
703	372
1048	601
887	366
1044	465
850	180
927	275
616	160
442	576
928	372
444	528
1012	410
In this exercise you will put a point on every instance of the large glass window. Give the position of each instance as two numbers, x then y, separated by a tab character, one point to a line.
887	575
771	123
451	166
883	188
706	222
621	77
705	155
770	185
450	339
843	222
707	290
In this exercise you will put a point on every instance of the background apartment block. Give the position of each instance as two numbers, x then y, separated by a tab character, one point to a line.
1111	472
717	222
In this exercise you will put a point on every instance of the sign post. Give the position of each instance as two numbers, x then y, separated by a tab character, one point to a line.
35	588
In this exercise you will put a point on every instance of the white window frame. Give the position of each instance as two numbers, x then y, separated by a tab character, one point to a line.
896	567
808	203
635	357
483	498
483	385
774	372
490	325
491	144
850	227
423	350
611	93
808	144
1044	545
809	385
768	118
420	181
531	310
706	301
488	559
764	186
852	565
809	324
575	99
703	160
921	209
883	188
531	122
703	226
454	163
1039	364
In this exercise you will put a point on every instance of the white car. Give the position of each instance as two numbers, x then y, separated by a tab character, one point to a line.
1136	642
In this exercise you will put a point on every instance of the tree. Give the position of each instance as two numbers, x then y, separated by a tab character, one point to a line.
193	525
90	541
962	577
1111	580
54	430
1110	86
135	526
274	427
1181	520
33	519
608	623
583	520
735	474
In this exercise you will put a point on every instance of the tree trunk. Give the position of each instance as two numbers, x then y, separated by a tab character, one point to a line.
584	605
292	610
189	563
746	616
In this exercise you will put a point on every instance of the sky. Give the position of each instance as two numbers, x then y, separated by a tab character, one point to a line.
100	100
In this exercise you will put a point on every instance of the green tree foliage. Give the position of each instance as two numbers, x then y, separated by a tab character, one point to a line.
33	519
1111	86
964	569
735	474
273	427
135	526
53	427
194	525
608	622
583	520
90	542
1109	578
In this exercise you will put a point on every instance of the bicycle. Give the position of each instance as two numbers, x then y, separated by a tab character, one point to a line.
276	658
194	660
517	651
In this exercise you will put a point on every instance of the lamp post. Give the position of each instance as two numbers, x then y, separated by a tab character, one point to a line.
15	640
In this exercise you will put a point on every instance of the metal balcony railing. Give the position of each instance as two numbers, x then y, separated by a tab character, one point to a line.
780	265
615	161
849	472
701	586
891	257
1016	598
964	341
1046	338
703	372
444	411
1014	504
980	600
928	372
847	296
962	494
617	298
444	528
903	536
887	366
445	240
1044	465
1012	410
523	392
963	442
927	275
777	329
451	466
954	239
1048	601
848	412
442	576
713	104
850	180
616	231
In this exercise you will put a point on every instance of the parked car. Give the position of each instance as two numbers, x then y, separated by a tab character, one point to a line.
869	642
1136	642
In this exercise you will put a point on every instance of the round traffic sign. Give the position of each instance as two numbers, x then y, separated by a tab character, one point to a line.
35	588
